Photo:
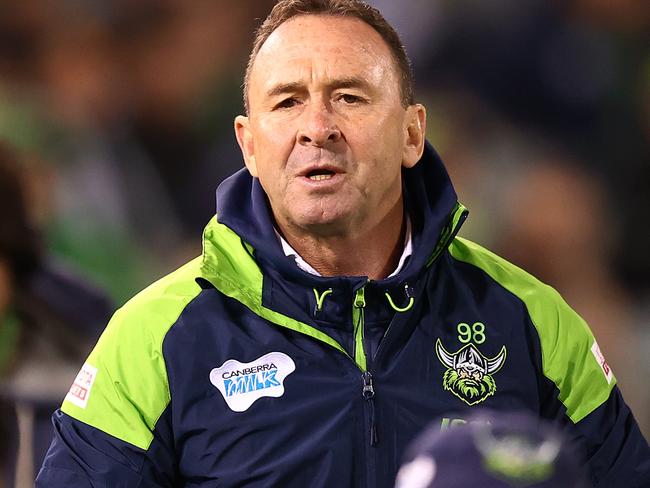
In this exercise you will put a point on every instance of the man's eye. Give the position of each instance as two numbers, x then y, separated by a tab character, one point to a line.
286	103
347	98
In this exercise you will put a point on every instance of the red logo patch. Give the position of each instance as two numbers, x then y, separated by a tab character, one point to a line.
607	371
80	389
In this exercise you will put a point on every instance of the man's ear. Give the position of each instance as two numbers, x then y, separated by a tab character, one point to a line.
246	143
414	132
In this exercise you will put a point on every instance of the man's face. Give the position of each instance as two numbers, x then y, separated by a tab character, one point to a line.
327	134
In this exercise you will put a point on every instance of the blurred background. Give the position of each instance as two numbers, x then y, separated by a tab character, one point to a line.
120	116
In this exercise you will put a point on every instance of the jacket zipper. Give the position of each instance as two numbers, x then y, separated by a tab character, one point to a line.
368	393
368	388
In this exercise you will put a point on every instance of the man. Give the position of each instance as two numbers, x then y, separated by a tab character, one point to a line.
332	313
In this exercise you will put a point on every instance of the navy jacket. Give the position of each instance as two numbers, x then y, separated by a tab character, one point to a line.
239	369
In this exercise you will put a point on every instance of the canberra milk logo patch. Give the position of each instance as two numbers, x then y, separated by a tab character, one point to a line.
241	384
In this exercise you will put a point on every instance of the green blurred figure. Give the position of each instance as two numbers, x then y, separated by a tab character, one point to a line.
49	319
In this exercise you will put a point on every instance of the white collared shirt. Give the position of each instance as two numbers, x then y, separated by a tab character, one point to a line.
305	266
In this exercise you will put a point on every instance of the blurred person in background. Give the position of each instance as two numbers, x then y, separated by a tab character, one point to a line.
129	102
569	245
333	312
494	450
49	319
570	75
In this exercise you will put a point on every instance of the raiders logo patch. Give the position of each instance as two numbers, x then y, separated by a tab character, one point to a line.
469	373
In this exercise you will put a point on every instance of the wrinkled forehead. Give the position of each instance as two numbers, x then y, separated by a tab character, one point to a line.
308	29
324	45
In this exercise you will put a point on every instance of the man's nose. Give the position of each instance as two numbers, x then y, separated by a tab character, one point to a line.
319	127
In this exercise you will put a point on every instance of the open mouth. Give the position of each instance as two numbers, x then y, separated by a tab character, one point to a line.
320	174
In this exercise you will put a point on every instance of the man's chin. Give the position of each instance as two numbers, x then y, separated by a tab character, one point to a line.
324	224
325	227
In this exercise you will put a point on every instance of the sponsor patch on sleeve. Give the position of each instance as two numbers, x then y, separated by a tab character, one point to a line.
607	371
83	383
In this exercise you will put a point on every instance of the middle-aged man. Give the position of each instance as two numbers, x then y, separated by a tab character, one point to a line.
333	313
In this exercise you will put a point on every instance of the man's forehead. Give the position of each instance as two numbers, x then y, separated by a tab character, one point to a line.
309	28
353	46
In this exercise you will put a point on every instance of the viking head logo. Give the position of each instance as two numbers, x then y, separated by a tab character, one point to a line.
469	373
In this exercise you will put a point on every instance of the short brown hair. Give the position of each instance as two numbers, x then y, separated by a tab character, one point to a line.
287	9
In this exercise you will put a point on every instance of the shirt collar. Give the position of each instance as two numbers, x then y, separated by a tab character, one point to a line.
305	266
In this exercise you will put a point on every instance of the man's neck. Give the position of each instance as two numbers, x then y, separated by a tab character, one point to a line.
374	253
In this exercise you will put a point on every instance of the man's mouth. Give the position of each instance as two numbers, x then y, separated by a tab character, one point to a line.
320	174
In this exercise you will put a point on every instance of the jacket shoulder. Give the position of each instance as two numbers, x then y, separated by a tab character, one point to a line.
513	278
571	358
123	389
166	297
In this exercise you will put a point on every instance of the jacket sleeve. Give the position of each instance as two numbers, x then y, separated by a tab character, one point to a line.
83	456
114	427
617	452
579	390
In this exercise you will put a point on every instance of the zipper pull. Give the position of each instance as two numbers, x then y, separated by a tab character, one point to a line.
368	394
368	389
360	298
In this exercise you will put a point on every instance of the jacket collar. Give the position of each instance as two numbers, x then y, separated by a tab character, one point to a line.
305	266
